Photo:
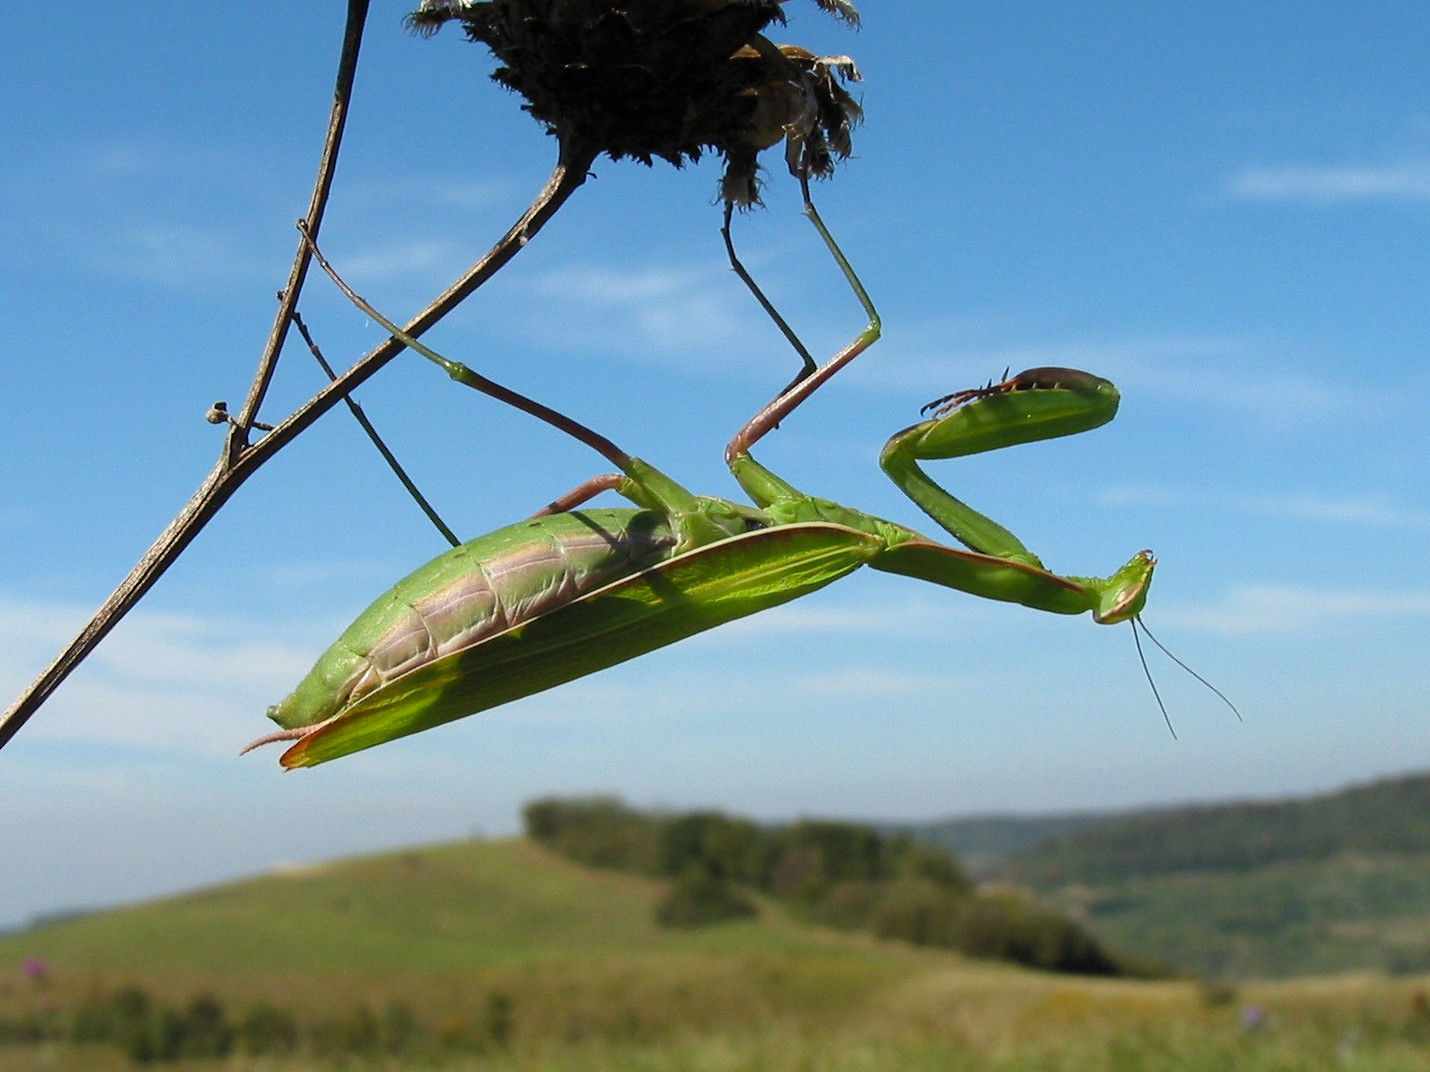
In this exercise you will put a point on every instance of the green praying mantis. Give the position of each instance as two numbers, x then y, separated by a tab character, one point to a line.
574	590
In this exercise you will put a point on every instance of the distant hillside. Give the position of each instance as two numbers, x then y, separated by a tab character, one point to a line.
983	842
1332	883
459	906
1351	914
1386	818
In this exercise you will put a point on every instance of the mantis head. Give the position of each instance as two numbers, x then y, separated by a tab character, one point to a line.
1121	597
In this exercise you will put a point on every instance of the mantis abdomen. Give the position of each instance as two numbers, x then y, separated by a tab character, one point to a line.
475	591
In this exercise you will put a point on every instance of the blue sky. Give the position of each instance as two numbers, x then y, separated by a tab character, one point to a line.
1221	207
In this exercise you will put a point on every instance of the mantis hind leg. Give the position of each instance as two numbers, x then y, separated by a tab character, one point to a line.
809	364
788	400
642	483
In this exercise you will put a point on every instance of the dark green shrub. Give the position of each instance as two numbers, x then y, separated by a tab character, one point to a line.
803	860
30	1026
934	864
597	831
267	1029
357	1033
915	909
847	905
727	848
1005	927
116	1017
698	898
204	1030
498	1019
164	1034
398	1030
795	872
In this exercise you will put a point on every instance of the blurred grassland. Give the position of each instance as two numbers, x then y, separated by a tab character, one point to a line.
594	984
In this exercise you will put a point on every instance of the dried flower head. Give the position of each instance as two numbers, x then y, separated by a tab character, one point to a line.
667	78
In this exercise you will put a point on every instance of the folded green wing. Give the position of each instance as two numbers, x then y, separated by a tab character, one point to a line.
666	603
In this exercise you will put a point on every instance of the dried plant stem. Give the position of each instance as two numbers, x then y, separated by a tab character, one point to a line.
322	186
240	458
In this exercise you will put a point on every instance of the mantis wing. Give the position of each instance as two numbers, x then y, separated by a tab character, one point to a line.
665	603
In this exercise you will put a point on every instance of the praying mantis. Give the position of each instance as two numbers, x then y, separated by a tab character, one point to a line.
575	590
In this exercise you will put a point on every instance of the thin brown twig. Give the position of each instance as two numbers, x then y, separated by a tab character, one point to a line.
317	204
239	459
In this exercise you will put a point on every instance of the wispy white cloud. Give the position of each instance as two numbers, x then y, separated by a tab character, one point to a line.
400	258
177	256
608	287
299	575
178	216
1370	511
160	681
224	189
677	315
700	689
1297	609
404	192
172	163
1309	184
1238	373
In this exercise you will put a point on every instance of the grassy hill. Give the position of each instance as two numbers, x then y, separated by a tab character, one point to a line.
1330	883
575	951
458	907
587	980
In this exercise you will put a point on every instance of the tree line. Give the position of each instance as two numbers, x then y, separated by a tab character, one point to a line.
841	874
1390	817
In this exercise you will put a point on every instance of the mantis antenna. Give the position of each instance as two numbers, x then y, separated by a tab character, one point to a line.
1139	627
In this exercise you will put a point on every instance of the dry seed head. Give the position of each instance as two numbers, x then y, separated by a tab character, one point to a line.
668	79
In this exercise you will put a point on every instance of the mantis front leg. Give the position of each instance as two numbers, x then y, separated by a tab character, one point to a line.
1042	403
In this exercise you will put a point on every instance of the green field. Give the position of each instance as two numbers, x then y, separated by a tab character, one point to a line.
587	980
